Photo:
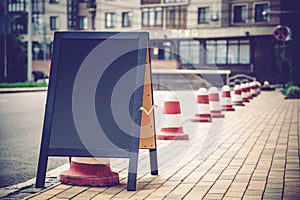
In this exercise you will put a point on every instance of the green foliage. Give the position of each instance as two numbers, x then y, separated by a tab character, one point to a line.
283	53
289	84
291	91
16	59
22	84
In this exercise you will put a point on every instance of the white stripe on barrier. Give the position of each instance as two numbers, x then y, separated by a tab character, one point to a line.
172	121
225	101
244	95
214	106
203	109
236	98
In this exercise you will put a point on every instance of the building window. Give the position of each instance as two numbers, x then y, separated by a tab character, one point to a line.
239	14
110	20
37	20
37	6
176	17
203	15
53	1
54	23
152	17
174	1
83	23
19	25
143	2
259	9
189	52
94	22
229	52
16	5
163	51
72	13
167	51
244	52
126	19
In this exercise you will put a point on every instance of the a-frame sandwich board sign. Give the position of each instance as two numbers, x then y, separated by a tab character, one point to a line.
99	100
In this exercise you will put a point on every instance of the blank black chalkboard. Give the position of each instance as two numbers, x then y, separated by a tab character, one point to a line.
94	98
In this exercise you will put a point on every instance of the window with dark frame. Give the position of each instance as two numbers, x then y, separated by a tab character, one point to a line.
259	9
189	52
53	1
110	20
94	22
228	52
38	6
37	21
203	15
239	14
176	17
174	1
54	23
19	25
143	2
83	23
16	6
72	13
152	17
162	50
126	19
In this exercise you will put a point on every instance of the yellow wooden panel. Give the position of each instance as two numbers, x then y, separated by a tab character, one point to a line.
147	136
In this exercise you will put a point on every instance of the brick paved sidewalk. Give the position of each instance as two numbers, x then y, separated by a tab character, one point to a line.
251	154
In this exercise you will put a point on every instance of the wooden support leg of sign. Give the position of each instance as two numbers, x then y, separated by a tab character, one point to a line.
147	134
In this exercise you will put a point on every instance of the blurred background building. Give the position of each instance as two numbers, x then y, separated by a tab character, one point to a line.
227	34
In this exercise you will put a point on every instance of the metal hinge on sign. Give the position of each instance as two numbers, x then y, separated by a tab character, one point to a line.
148	112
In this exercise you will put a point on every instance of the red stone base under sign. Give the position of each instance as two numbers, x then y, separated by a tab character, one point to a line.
89	175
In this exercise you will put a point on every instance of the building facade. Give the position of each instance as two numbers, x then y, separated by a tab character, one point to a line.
202	34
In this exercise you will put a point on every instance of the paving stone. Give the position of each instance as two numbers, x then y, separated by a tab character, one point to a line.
255	157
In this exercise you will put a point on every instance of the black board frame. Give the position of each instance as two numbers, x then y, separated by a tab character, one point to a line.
133	151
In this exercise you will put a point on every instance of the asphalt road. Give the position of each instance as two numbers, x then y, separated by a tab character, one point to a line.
21	121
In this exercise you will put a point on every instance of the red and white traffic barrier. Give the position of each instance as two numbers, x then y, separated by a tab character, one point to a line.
226	104
214	103
266	84
172	128
258	87
249	96
237	99
244	93
253	90
203	110
89	171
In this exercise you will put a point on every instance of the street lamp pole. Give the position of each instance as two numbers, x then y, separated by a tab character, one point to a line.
5	47
29	42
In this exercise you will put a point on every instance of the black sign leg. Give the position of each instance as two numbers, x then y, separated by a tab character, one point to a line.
41	172
132	171
153	161
43	159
